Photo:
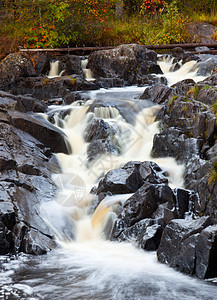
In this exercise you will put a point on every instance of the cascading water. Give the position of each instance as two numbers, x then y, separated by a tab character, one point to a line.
87	72
87	266
185	71
55	70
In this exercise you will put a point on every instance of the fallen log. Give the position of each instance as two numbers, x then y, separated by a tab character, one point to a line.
75	49
90	49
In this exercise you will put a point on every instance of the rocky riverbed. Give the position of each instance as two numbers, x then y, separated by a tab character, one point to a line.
179	223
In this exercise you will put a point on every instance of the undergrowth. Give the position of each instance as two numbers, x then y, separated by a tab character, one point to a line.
69	23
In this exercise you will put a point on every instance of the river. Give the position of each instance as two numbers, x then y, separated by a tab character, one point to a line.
85	265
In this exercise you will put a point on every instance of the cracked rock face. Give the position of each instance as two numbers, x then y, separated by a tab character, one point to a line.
26	165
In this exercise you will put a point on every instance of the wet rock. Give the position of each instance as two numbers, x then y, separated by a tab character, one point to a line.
196	177
71	97
21	103
47	88
207	66
145	202
152	79
97	129
181	88
72	65
131	177
99	147
211	153
173	143
102	139
139	221
134	233
152	237
157	93
209	81
179	243
7	222
177	52
145	234
26	167
41	63
207	95
128	62
14	67
206	250
185	56
45	132
184	202
127	109
191	117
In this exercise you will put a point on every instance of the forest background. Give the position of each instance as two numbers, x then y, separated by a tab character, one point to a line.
71	23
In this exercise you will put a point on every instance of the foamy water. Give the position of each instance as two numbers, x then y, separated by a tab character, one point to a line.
86	266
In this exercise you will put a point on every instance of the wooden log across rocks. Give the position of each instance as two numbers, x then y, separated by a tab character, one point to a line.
153	47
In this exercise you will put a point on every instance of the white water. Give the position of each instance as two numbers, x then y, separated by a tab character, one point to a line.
87	72
90	267
79	177
55	69
186	71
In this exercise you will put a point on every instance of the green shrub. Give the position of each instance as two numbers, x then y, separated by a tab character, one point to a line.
173	27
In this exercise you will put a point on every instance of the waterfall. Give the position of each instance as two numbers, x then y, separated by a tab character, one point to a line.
188	70
79	176
55	70
87	72
87	266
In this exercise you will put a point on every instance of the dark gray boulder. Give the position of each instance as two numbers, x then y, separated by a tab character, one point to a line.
178	243
46	88
206	251
14	67
181	88
26	168
207	95
42	130
190	246
131	177
144	202
191	117
157	93
128	62
173	143
71	65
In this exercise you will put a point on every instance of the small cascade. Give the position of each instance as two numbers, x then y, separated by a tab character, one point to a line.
55	69
78	177
106	112
189	70
87	72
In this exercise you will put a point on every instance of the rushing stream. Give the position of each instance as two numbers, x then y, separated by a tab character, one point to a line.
86	266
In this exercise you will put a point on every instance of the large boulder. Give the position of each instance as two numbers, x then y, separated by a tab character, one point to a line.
129	62
191	117
42	130
21	103
26	168
131	177
190	246
158	93
14	67
173	143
